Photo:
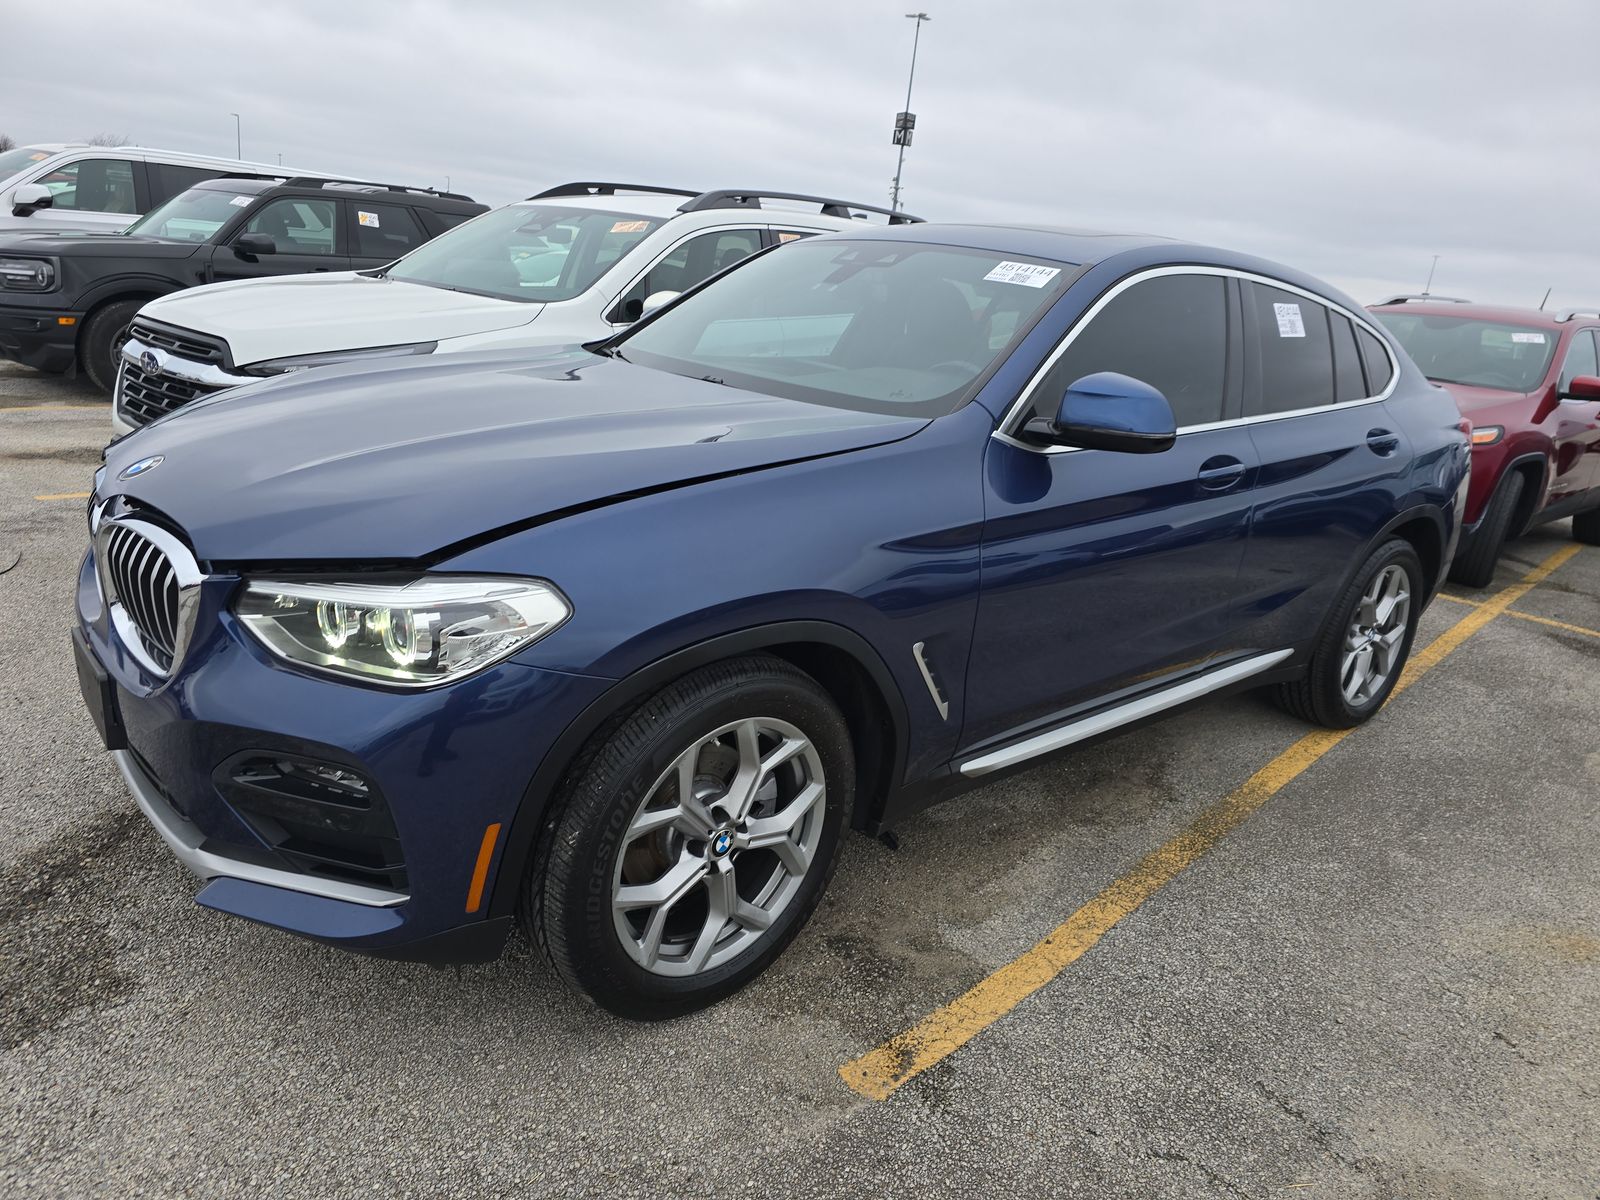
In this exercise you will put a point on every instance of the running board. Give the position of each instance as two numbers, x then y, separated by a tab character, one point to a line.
1123	714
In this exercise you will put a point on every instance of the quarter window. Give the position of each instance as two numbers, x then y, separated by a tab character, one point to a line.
1379	370
1170	332
1580	359
694	261
297	226
1296	352
93	185
385	231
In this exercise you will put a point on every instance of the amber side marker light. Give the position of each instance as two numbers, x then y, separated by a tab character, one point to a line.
1486	435
480	872
66	320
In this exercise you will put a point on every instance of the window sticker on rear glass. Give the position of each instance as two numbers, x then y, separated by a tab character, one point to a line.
38	157
630	226
1535	339
1289	322
1027	274
241	201
368	219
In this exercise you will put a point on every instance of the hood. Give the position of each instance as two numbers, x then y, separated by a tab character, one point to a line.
311	314
398	461
1470	399
94	244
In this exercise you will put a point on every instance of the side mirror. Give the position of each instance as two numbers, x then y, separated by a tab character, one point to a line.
252	245
29	198
1582	387
1108	411
655	300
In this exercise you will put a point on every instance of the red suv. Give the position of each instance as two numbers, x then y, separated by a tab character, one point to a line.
1530	384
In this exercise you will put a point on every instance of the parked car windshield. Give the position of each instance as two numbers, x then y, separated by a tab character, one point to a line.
876	326
192	216
1478	353
535	252
15	161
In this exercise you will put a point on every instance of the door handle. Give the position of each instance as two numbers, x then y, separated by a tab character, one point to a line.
1382	442
1220	473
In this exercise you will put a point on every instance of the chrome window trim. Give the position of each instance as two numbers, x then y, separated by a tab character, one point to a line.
1011	420
187	844
1082	728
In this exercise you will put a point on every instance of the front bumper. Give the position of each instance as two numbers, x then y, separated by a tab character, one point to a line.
35	337
448	763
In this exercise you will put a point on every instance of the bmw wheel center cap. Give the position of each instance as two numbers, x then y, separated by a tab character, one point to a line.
721	843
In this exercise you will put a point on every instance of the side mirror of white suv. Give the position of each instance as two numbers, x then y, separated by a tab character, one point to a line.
29	198
655	300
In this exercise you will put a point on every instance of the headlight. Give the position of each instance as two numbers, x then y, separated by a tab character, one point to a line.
406	633
1487	435
304	362
27	274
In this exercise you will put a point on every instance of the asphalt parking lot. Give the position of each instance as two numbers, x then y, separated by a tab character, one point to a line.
1219	956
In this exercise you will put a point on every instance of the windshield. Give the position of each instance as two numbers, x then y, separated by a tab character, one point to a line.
192	216
1513	358
23	157
533	252
876	326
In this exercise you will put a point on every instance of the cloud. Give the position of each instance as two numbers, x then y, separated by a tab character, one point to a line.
1354	141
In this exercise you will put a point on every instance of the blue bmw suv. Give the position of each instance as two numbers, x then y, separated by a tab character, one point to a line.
618	640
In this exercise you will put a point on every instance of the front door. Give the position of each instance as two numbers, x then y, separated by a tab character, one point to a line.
306	231
1103	571
1577	426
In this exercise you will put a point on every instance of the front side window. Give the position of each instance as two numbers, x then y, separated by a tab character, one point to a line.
92	185
695	261
1170	332
874	326
385	231
1580	359
533	252
1296	352
296	225
192	216
1466	350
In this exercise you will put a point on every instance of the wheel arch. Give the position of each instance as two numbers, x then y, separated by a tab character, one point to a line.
842	661
138	289
1535	467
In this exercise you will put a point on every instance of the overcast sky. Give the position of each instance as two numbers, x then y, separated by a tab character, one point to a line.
1354	139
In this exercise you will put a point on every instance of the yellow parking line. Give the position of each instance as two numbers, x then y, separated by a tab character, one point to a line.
64	496
879	1072
1535	618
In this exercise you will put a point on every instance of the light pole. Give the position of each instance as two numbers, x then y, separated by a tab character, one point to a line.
906	121
238	136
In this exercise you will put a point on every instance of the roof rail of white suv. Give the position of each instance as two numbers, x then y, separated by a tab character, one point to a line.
727	198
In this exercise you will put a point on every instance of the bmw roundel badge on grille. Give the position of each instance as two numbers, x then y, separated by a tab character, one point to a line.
143	466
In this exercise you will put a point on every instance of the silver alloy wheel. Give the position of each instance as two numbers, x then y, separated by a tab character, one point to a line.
1372	643
719	847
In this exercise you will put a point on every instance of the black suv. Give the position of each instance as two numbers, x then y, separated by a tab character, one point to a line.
66	299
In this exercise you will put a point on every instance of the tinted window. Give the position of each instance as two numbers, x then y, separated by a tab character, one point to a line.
1580	358
1348	383
1170	332
298	226
1452	349
167	180
385	231
93	185
1379	369
1296	351
888	327
697	259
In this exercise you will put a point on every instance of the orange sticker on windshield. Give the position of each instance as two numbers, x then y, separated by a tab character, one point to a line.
38	157
630	226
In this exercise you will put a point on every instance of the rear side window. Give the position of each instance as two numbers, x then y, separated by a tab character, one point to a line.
1296	352
1348	382
1170	332
167	180
1379	369
385	231
1580	358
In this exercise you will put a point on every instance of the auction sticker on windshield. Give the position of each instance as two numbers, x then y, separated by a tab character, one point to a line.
1027	274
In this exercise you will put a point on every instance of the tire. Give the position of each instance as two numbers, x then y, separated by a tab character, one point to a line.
1322	698
617	829
1586	527
103	335
1474	567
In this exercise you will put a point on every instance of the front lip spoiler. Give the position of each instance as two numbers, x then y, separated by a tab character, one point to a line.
186	842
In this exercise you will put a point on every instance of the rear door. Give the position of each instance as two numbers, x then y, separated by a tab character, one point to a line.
307	231
1104	571
1333	462
380	233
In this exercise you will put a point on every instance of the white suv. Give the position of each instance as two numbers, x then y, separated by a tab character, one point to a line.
51	187
570	264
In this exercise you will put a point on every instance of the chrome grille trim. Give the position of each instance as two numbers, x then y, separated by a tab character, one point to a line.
151	586
179	379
